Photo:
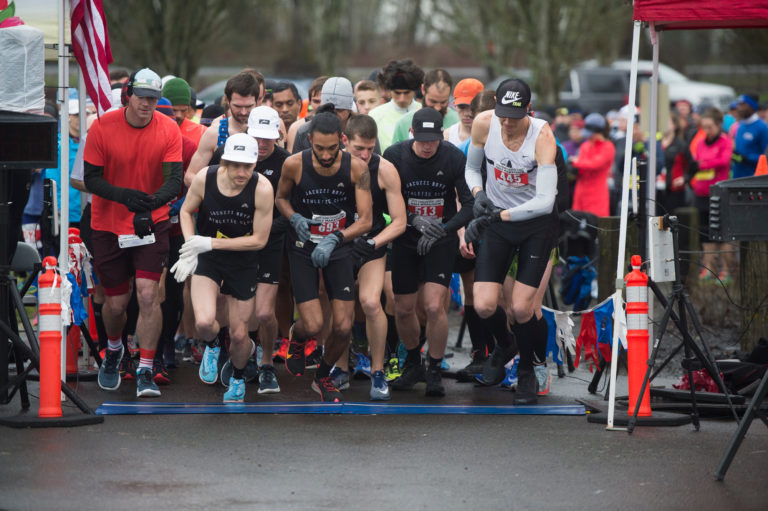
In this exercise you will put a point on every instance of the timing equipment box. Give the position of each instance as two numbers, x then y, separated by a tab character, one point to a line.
738	209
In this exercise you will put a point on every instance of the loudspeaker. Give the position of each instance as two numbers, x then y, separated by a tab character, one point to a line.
28	141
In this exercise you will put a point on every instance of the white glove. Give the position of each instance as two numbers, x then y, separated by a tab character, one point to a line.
195	245
184	267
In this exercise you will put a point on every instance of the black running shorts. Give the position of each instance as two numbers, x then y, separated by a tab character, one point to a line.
237	280
337	277
409	269
271	259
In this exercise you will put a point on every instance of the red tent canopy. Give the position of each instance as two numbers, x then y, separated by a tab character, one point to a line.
692	14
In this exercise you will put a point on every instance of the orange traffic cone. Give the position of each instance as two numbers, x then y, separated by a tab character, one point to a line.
762	166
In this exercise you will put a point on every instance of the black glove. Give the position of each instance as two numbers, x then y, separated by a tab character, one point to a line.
135	200
482	204
142	224
322	252
363	248
424	244
476	227
428	225
301	224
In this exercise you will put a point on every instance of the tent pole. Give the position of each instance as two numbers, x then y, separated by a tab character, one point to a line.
64	176
623	224
652	164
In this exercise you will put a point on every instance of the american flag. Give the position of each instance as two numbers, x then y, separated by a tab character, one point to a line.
90	44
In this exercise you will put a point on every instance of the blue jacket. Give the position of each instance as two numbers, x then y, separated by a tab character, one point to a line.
750	142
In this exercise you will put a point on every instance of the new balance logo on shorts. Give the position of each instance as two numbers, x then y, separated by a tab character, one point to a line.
441	275
346	289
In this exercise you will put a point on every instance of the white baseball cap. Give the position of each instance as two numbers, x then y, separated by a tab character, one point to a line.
264	122
241	148
147	83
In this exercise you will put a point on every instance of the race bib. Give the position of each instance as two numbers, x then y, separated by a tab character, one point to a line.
509	177
432	208
326	224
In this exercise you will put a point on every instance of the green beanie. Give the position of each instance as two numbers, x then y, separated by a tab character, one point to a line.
177	91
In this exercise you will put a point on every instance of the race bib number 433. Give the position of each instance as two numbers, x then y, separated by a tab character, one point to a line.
510	178
326	224
426	207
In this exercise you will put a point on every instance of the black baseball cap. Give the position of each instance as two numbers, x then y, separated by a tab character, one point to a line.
427	125
512	99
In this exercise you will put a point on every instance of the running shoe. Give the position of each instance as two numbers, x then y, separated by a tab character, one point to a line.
310	346
392	369
251	372
197	350
179	342
169	355
209	367
296	358
379	387
145	386
314	358
493	370
510	381
127	371
160	373
133	346
527	389
281	349
543	378
363	365
268	380
471	370
235	392
340	378
434	378
328	392
412	374
109	372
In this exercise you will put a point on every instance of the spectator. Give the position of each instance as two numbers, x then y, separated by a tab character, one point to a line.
712	159
593	164
677	159
751	137
562	123
575	138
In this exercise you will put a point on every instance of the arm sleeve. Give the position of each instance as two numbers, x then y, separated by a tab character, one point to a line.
541	204
472	171
97	185
172	175
464	215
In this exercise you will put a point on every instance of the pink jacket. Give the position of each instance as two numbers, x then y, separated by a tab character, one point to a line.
714	164
593	163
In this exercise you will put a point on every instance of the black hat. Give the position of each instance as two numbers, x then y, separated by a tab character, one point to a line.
512	99
427	125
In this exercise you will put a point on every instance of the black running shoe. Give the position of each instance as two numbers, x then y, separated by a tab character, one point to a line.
327	390
411	375
434	382
295	359
471	370
527	389
314	358
493	370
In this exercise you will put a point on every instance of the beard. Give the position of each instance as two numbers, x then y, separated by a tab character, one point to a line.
332	160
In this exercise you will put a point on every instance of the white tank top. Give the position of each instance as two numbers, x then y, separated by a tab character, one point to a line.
453	135
511	175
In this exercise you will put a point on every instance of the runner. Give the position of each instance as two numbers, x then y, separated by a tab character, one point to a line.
287	101
366	96
319	191
370	250
402	78
232	225
515	215
463	94
432	176
436	91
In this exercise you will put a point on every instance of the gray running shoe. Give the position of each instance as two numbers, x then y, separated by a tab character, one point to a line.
268	380
109	373
145	385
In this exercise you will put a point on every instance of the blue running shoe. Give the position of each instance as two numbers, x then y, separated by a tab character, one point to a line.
109	373
444	365
209	365
145	385
543	378
510	381
363	365
236	391
268	380
339	378
379	387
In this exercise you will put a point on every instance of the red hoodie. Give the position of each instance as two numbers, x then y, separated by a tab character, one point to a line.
594	164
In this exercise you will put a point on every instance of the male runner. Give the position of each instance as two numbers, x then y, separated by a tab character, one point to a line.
402	78
367	96
133	169
370	250
232	225
287	101
436	91
514	215
432	176
319	191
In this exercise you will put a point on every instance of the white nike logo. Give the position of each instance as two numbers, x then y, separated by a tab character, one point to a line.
509	97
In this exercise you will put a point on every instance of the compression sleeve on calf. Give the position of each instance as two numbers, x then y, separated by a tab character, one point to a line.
97	185
541	204
172	175
472	171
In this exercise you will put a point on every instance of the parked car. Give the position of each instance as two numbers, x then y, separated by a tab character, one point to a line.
210	93
680	87
595	89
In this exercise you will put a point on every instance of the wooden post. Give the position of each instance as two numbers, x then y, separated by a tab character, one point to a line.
608	251
753	284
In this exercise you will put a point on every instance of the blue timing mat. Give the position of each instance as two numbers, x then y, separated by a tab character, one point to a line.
144	408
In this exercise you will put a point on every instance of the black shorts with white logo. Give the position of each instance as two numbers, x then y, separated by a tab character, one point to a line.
337	276
235	272
532	240
409	269
271	259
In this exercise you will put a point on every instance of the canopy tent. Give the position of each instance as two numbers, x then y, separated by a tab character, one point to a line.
667	15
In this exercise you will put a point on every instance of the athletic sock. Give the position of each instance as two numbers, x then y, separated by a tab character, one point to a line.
540	341
526	334
422	336
413	357
323	370
145	358
393	340
479	333
435	362
238	373
497	324
114	343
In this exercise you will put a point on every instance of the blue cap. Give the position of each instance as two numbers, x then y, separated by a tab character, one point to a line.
593	123
744	98
164	106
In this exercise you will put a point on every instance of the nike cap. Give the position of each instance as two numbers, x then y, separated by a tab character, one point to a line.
241	148
427	125
264	122
512	99
147	83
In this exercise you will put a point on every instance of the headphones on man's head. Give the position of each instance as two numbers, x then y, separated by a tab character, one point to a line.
127	90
